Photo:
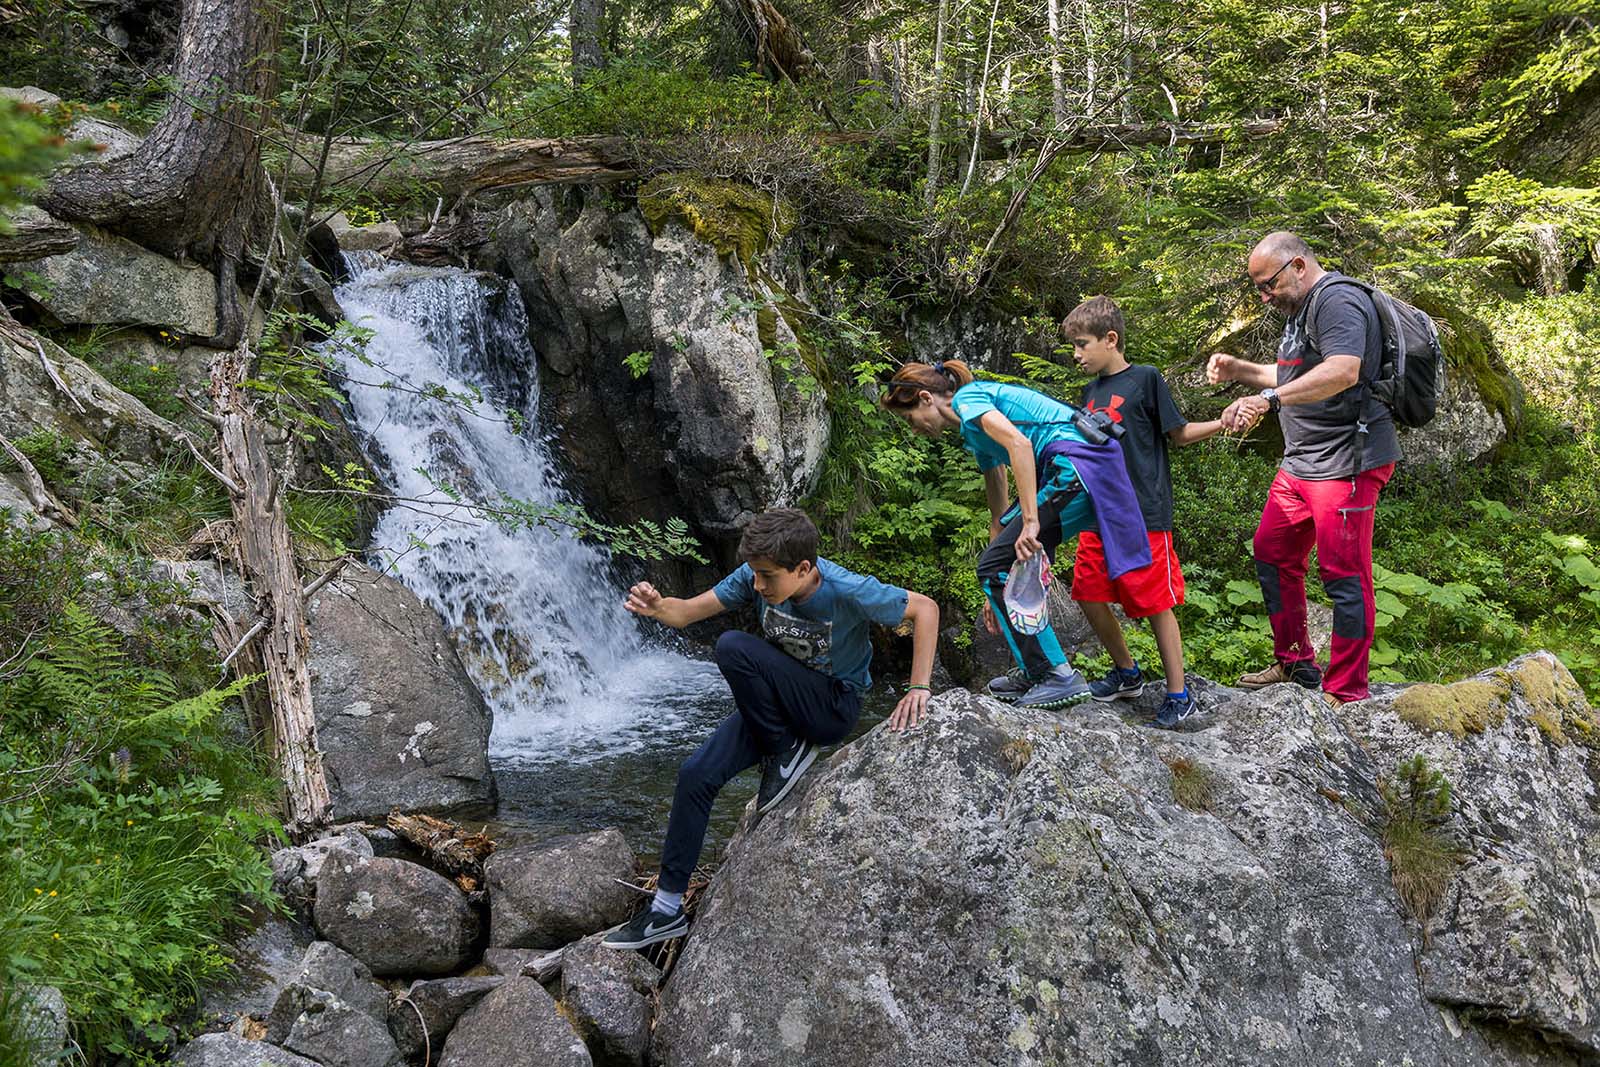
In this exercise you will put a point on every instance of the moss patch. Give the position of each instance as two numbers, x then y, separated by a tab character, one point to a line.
1556	703
735	219
1459	708
1470	350
1191	783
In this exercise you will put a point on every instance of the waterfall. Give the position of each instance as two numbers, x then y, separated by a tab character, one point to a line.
537	614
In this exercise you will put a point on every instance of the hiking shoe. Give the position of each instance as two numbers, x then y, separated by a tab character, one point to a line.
646	928
1118	685
781	770
1304	673
1174	710
1010	685
1057	691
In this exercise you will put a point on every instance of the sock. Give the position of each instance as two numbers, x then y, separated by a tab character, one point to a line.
667	903
1130	672
1180	695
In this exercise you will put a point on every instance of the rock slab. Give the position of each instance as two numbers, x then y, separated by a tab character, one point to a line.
607	996
517	1025
398	918
547	895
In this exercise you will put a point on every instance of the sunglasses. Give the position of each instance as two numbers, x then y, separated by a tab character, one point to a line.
1272	283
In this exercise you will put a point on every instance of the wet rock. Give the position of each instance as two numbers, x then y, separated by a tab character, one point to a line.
607	995
517	1025
266	959
325	968
432	1007
231	1050
383	237
400	723
714	430
395	917
1080	888
109	280
548	895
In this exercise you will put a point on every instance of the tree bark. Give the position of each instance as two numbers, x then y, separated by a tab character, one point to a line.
935	141
269	566
781	53
35	235
195	186
1058	96
583	31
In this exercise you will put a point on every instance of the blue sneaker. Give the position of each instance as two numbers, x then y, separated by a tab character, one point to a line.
1009	686
1063	687
1174	710
1118	684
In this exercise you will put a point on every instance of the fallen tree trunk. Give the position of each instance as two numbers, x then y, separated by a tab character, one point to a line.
267	557
467	165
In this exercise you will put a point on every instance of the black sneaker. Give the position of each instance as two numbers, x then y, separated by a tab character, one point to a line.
646	928
1118	685
1174	710
781	770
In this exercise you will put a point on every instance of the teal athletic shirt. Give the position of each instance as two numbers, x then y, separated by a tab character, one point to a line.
1040	419
827	631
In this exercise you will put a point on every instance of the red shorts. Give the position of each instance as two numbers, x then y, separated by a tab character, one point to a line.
1144	592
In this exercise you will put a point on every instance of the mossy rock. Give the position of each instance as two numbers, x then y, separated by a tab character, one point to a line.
736	219
1459	708
1470	352
1556	703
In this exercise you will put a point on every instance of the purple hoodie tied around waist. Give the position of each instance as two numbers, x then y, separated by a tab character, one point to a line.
1104	474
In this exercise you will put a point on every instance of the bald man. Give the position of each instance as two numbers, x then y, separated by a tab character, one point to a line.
1339	450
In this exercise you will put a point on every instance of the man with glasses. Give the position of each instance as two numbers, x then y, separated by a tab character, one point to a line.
1339	450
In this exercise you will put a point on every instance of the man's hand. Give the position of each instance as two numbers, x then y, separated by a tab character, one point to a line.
1220	367
990	623
910	711
1028	540
643	599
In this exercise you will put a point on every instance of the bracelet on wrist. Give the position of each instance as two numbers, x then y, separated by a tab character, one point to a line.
918	685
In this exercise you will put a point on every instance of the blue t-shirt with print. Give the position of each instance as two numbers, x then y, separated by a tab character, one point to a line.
1040	419
827	631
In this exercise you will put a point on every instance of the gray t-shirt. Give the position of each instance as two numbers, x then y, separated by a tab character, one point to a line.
1319	439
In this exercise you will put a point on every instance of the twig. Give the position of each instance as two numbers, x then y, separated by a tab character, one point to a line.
227	483
427	1046
261	624
49	368
38	495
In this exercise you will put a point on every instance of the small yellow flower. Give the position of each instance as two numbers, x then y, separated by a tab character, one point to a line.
52	892
156	367
56	936
97	860
130	822
37	890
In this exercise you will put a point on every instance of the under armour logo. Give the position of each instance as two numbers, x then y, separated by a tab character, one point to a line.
1110	409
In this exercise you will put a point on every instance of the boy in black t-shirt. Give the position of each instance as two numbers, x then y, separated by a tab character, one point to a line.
1136	397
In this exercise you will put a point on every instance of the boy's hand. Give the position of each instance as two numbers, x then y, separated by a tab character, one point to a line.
643	599
1028	540
990	623
1219	368
1242	415
910	711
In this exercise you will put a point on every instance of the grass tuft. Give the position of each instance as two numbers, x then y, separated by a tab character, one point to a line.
1422	851
1191	784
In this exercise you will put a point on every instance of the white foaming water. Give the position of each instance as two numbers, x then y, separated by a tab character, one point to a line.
537	614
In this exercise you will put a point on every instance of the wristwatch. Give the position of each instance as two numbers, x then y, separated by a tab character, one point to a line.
1271	397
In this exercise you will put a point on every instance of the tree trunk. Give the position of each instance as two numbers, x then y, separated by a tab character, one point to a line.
583	31
1127	60
269	566
195	185
935	139
780	51
978	113
1091	68
1058	96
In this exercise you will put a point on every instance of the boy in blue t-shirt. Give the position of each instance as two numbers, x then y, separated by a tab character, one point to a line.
796	688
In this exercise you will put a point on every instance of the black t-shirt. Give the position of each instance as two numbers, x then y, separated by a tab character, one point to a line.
1138	398
1319	439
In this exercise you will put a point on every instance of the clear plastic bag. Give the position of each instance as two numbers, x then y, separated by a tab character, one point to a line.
1027	602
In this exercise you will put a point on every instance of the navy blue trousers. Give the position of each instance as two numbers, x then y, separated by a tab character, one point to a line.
778	699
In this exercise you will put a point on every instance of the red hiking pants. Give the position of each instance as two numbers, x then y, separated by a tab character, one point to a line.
1336	516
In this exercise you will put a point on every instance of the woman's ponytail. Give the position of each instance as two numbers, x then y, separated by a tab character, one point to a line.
940	379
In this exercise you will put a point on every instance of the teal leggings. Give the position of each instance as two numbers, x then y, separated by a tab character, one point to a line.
1061	515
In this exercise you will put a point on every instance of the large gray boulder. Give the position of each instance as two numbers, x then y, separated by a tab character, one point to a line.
338	1034
607	995
38	1018
395	917
110	280
267	957
325	968
716	429
545	896
400	723
1003	887
517	1025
